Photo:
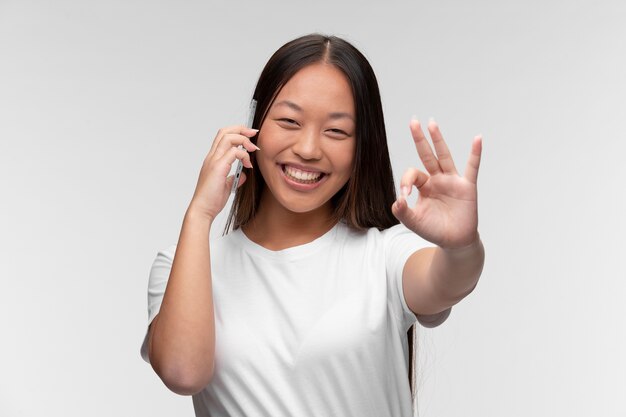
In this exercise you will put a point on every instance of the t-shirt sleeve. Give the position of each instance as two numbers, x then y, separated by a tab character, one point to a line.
400	243
159	274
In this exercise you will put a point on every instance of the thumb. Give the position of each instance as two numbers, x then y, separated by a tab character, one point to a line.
402	211
242	179
231	178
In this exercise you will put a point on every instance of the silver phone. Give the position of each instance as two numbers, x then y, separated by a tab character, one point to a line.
251	112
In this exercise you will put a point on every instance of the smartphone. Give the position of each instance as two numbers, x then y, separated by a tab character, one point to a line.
251	112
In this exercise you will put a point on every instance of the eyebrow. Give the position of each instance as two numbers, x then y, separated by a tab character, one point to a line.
333	115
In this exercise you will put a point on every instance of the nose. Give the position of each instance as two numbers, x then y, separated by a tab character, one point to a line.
308	145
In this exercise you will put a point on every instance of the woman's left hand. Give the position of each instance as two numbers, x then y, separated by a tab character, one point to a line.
446	212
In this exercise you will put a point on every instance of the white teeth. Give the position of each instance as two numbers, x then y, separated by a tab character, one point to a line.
302	175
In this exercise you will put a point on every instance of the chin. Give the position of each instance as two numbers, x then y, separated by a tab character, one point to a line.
303	207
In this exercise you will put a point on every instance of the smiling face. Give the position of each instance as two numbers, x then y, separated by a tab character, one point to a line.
308	141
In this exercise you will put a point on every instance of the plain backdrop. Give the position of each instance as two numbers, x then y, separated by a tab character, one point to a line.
107	110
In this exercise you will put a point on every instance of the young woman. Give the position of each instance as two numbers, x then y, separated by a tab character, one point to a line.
308	306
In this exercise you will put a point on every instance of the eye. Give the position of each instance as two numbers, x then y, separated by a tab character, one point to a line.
338	132
288	121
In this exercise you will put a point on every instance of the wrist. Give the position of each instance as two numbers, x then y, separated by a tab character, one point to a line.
475	245
474	242
195	216
458	268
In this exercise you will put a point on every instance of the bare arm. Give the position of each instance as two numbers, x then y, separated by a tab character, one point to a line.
434	279
181	342
181	338
446	214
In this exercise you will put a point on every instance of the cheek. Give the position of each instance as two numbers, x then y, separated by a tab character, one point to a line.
269	139
265	146
346	162
261	137
264	158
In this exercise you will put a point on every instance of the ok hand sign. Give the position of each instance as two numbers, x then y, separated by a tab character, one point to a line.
446	212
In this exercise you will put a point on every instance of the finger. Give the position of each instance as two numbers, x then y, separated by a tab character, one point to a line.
413	177
218	138
233	140
473	163
242	179
423	148
400	208
233	154
237	129
231	178
443	154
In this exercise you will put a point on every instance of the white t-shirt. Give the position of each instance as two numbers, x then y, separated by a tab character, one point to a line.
318	329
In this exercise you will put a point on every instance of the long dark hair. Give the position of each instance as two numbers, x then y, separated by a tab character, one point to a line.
365	200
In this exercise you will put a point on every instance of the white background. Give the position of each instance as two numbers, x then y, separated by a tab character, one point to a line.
107	110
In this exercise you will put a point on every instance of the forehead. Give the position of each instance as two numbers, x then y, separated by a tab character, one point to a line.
319	86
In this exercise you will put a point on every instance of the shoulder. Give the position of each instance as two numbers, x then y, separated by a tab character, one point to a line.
395	231
218	244
395	241
399	234
395	234
165	255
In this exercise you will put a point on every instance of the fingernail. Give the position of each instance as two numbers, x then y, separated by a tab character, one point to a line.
431	119
404	191
257	148
414	117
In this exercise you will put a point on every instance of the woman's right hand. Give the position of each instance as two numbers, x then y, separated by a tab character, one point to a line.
214	184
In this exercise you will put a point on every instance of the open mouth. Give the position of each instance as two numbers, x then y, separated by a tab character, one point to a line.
302	177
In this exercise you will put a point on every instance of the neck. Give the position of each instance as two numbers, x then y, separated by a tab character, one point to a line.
275	227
